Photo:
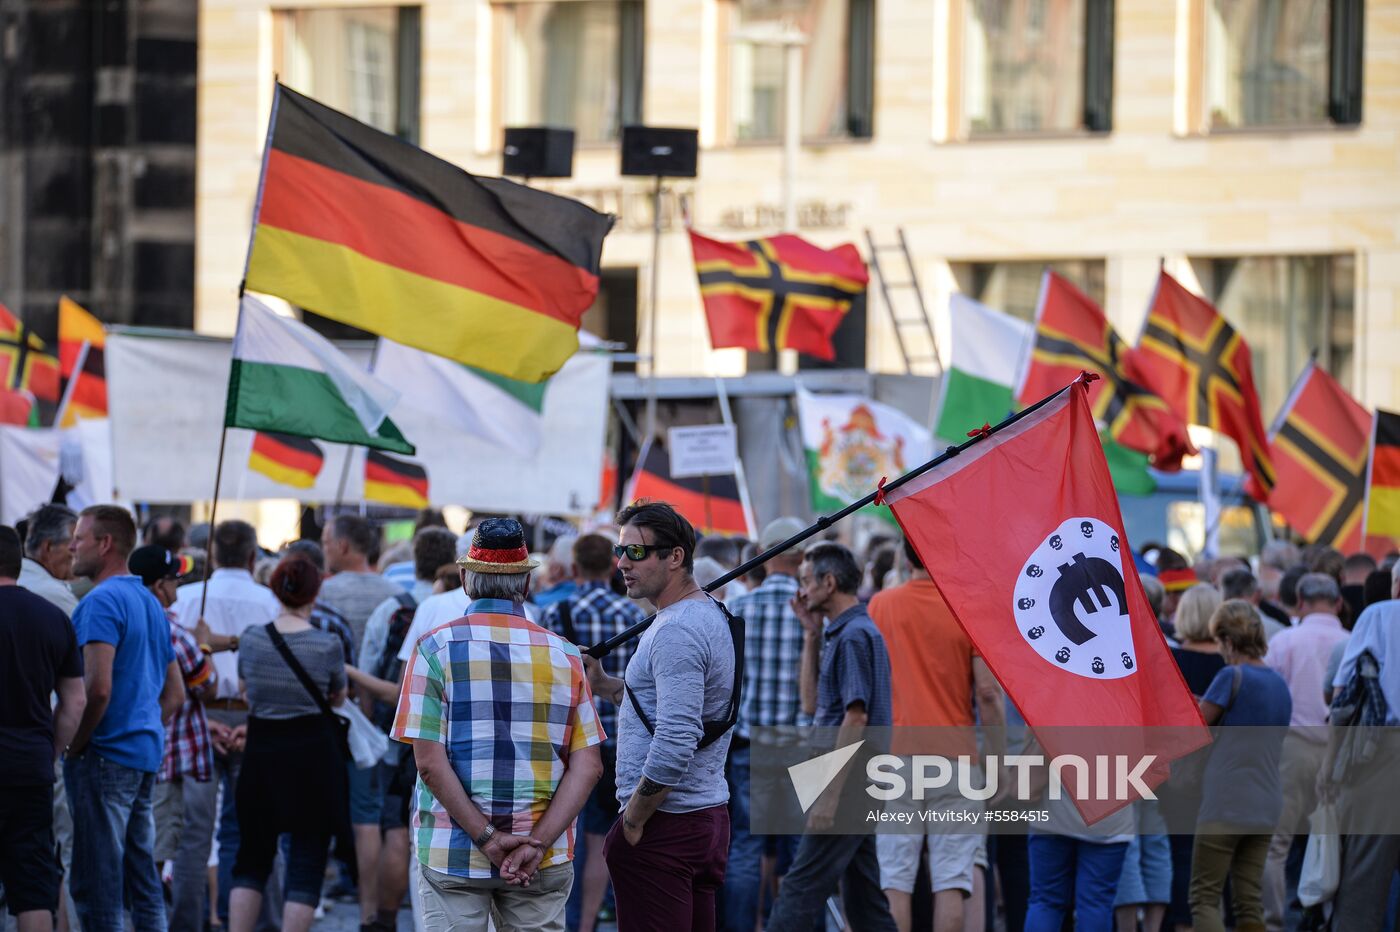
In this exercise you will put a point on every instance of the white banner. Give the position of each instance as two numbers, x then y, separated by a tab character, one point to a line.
167	395
28	470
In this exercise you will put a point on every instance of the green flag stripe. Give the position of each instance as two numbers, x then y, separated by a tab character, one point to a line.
297	401
530	394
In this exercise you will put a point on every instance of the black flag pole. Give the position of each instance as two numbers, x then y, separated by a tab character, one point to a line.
603	648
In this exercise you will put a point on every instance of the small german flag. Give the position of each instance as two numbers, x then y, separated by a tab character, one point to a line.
363	228
1071	335
712	505
284	458
82	345
780	292
1383	479
395	481
1196	362
1318	445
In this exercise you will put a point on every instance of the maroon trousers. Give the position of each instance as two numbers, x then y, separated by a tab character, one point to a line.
667	882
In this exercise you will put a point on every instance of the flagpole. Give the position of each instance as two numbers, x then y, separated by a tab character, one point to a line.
652	311
72	383
743	480
603	648
218	477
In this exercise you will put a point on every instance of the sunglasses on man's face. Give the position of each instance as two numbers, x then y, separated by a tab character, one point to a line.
635	552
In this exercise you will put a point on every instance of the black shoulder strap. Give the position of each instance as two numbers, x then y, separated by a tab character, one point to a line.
307	683
406	600
713	730
566	621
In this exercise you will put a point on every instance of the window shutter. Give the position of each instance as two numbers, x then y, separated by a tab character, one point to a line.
1098	65
1344	90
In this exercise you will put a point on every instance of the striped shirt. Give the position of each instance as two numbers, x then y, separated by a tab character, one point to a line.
511	702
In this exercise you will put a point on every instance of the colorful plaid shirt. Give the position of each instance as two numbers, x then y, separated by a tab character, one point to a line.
511	702
597	614
188	751
772	654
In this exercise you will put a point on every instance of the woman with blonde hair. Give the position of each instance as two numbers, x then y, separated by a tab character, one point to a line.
1243	795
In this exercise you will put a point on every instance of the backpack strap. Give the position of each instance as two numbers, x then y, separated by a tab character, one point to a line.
713	730
566	621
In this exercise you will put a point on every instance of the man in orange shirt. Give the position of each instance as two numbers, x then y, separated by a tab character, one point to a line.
935	675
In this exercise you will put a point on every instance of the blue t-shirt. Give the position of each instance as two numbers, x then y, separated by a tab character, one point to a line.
1241	783
121	612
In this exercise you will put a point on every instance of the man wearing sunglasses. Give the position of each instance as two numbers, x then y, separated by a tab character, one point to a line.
667	853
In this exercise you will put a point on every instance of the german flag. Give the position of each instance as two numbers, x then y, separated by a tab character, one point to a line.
395	481
284	458
1319	444
366	229
82	345
712	505
779	292
1196	362
1072	335
26	367
1383	479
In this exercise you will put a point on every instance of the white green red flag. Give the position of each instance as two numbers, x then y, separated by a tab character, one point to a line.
979	385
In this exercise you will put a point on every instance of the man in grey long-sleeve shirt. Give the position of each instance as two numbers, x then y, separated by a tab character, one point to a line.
668	850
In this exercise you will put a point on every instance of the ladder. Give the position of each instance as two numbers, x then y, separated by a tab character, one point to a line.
913	333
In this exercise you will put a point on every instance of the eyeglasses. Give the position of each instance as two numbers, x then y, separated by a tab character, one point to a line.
635	552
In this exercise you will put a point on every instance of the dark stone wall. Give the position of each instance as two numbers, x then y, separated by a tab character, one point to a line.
97	159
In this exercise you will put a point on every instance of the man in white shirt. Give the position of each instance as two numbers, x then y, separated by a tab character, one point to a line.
235	603
48	563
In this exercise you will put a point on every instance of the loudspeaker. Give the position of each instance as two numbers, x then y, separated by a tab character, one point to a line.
655	150
538	152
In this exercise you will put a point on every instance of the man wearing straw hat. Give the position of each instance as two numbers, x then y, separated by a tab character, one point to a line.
506	738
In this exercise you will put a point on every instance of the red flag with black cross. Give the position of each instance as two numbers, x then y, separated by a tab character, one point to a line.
1023	536
1197	363
778	292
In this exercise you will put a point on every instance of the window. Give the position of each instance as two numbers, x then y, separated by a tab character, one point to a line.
1014	287
837	68
1282	62
573	64
1037	66
1287	307
362	61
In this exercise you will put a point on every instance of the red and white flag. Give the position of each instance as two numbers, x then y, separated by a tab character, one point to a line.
1023	536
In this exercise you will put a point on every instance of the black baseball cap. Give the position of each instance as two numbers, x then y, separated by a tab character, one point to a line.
154	562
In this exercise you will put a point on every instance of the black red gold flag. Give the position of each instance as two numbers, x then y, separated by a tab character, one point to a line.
395	481
1383	480
366	229
779	292
1199	365
284	458
711	504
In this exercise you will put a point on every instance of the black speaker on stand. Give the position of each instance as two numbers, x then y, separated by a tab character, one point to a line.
538	152
660	152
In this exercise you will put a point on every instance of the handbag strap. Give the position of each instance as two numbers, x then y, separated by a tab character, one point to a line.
307	682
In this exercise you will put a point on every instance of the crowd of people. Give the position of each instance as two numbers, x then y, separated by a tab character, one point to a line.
184	745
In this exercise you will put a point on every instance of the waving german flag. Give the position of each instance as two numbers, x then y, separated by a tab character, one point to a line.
1383	481
780	292
294	461
395	481
1196	362
81	356
366	229
1071	335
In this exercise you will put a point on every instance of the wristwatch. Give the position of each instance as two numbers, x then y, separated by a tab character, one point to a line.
486	835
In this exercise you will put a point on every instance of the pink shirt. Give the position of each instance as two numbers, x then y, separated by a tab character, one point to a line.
1299	655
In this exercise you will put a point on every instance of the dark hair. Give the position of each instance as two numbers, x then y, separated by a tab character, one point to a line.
881	562
359	532
1377	587
912	555
433	547
295	581
830	558
594	556
1288	584
235	542
759	573
309	550
722	550
171	537
1169	559
10	557
47	523
1361	561
1238	584
429	517
115	522
668	527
